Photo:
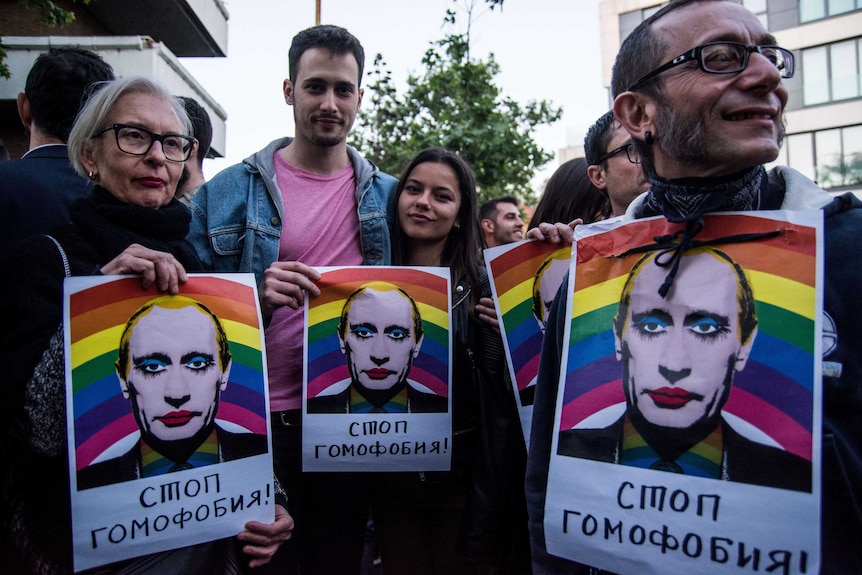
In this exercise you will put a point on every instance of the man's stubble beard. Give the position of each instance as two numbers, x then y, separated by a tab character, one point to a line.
684	137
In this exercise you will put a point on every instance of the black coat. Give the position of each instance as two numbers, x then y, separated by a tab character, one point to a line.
744	460
35	193
36	484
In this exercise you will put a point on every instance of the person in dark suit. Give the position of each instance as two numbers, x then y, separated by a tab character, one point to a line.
36	190
380	332
173	363
679	352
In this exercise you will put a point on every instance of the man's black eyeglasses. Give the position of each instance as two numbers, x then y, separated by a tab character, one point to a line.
137	141
627	148
726	58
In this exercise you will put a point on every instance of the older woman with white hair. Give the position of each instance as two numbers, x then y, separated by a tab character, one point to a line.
131	139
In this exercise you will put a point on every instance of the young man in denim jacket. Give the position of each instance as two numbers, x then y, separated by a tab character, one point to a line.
302	202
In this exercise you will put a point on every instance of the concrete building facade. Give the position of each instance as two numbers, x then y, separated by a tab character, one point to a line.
145	37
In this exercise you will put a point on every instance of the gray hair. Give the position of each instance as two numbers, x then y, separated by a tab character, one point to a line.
92	116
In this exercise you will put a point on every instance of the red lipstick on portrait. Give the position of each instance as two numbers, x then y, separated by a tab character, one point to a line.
177	418
378	373
672	397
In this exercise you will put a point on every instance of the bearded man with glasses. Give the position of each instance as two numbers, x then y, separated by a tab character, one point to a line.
699	87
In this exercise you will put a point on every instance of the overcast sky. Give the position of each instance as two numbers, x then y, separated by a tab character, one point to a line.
546	49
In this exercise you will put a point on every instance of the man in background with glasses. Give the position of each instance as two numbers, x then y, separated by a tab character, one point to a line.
614	163
699	87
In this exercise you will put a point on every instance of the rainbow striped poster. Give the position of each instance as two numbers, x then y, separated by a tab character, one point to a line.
690	396
525	277
377	393
158	385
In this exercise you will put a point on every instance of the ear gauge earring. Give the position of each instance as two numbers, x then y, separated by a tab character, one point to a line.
648	138
92	175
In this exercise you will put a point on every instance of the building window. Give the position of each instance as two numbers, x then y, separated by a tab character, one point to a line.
810	10
833	158
832	72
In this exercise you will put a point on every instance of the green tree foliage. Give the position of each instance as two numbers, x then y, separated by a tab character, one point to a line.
50	14
455	104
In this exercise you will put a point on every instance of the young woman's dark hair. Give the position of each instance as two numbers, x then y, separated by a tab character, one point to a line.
570	194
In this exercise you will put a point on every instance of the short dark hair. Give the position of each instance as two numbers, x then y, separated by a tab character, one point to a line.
570	194
332	38
59	84
642	51
599	137
202	127
488	210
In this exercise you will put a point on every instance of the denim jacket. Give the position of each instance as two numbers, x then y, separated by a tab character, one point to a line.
238	215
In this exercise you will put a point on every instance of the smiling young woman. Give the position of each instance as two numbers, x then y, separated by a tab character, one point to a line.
471	519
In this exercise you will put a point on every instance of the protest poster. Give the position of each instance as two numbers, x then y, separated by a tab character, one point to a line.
377	393
689	412
167	414
525	276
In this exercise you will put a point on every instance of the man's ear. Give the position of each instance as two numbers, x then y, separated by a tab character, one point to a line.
225	376
287	88
24	110
124	385
597	176
636	113
618	346
418	345
488	226
359	101
744	352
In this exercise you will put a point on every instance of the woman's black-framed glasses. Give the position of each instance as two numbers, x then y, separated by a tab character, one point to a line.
137	141
726	58
627	148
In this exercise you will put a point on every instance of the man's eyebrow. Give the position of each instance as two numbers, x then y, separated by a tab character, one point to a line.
766	39
187	357
327	81
662	314
366	325
694	316
391	328
157	355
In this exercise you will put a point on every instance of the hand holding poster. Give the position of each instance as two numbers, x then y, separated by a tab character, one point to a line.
377	371
689	412
158	385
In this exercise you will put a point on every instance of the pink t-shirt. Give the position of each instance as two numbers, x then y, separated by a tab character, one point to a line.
321	228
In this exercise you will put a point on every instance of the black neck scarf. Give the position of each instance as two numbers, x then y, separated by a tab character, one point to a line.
686	199
111	226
